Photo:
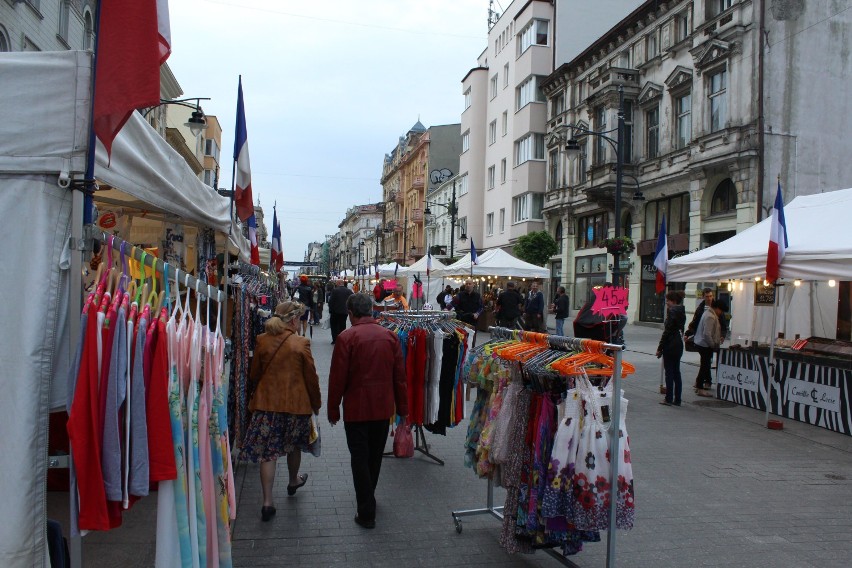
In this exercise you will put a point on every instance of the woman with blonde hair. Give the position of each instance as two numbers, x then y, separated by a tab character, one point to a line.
286	393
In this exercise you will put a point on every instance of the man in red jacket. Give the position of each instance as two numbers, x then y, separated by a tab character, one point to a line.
368	375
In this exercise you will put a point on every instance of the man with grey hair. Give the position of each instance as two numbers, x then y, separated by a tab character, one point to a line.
368	376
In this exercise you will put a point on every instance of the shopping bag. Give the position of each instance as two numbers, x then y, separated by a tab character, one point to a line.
403	442
689	344
314	438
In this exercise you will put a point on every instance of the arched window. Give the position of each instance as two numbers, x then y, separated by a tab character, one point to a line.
4	40
558	236
627	225
724	198
88	31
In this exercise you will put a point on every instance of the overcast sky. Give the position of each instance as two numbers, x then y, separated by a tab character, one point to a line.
328	86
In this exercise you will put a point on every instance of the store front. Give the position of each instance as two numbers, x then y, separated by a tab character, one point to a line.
589	271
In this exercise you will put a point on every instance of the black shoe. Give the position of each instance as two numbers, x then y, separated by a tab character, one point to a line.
676	403
291	489
365	523
665	402
266	513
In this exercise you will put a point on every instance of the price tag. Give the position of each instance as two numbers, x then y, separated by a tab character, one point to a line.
610	300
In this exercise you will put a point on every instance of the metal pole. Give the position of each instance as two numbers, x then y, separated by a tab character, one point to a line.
405	241
615	449
619	177
771	376
453	221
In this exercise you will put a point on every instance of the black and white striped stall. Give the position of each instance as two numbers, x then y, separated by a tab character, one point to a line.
814	392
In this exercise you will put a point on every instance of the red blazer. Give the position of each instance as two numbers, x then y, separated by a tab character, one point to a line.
367	373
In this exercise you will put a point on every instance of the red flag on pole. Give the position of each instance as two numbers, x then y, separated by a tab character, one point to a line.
132	43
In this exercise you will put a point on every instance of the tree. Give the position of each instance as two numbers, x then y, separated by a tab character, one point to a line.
536	247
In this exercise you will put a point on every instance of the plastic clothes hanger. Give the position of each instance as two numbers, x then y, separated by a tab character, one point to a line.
153	296
140	287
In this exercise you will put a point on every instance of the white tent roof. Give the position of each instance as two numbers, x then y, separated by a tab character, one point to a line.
495	262
419	267
819	237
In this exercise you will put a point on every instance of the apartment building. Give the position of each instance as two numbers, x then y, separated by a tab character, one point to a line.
723	98
42	25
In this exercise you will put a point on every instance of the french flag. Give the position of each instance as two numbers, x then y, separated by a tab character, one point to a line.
661	257
133	41
473	258
777	238
276	258
242	193
252	231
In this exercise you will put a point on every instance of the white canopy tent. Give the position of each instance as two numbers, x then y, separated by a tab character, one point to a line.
495	262
44	125
820	249
419	267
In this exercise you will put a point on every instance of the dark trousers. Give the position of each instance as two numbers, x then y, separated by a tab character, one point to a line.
337	322
704	375
674	382
366	441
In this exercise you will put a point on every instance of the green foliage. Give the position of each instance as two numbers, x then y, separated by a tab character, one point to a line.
536	247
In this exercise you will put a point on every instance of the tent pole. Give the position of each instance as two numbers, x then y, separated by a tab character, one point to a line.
75	291
771	376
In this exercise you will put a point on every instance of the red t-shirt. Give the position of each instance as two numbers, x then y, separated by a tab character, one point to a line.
161	453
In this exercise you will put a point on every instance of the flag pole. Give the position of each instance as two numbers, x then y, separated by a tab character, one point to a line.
234	172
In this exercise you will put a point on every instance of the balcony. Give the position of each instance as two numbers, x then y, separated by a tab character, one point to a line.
398	197
418	182
417	215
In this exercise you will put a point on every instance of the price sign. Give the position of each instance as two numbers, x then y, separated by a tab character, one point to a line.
610	300
764	295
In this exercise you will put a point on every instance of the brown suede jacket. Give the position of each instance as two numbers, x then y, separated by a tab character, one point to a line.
290	382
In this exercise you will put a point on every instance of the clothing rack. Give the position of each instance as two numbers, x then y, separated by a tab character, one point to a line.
162	267
562	343
399	316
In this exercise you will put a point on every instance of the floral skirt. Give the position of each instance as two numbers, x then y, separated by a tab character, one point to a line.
273	434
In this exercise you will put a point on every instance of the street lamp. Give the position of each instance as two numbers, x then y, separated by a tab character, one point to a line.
453	210
197	122
572	148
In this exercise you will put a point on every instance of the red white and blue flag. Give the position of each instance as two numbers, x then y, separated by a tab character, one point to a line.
473	258
777	238
133	41
276	256
661	257
242	193
252	232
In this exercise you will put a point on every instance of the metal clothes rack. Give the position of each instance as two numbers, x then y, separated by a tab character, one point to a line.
399	316
573	344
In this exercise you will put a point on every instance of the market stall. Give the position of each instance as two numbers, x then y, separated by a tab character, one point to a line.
812	377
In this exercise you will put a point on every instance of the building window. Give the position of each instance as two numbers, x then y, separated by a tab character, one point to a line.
211	148
582	161
716	7
491	177
591	229
724	198
527	206
553	170
505	122
88	31
505	75
683	120
652	123
494	86
4	41
601	144
579	93
467	99
461	184
502	220
651	47
628	132
466	141
530	147
489	224
492	132
676	210
503	170
557	235
64	17
210	178
534	34
718	95
682	26
529	92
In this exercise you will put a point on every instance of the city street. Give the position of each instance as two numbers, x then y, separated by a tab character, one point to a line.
713	488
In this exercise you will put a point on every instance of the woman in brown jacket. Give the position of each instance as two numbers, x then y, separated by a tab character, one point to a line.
286	393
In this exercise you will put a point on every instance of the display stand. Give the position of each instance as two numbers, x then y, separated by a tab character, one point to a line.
574	344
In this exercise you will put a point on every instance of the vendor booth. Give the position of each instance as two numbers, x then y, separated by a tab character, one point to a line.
44	126
791	340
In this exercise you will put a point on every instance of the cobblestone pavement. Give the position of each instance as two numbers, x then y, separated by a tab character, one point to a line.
714	487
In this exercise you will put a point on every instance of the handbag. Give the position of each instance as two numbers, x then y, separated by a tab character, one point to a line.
403	443
314	438
689	344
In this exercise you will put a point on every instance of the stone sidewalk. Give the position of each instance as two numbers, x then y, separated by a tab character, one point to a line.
714	487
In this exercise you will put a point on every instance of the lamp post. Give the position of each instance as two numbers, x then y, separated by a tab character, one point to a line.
453	210
572	148
197	122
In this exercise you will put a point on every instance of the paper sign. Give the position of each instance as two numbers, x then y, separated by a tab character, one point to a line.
610	300
737	377
813	394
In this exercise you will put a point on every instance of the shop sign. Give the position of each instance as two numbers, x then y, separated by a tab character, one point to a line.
764	295
813	394
610	300
107	220
746	379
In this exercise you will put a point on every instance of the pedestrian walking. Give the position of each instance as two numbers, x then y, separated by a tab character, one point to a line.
286	393
444	297
306	296
468	304
708	338
670	347
534	310
561	305
368	376
337	308
509	306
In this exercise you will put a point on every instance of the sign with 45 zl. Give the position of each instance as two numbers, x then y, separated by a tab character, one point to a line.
813	394
738	377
